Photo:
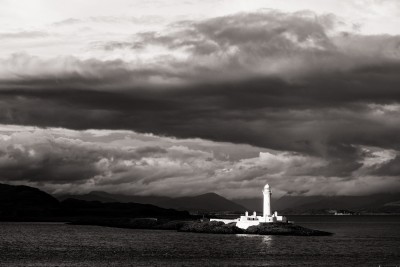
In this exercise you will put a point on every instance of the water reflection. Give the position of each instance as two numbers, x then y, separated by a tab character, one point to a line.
363	244
266	240
247	236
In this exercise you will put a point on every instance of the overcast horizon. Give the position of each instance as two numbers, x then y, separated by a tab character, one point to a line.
177	98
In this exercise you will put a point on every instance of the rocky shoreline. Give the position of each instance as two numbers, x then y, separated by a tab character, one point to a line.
262	229
206	227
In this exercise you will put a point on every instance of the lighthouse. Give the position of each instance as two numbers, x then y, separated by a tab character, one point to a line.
267	201
247	220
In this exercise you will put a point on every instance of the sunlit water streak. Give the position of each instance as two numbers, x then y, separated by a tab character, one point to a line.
358	241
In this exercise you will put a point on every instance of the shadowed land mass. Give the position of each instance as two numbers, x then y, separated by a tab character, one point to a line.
24	203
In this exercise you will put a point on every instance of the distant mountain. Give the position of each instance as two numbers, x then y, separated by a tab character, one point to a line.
108	197
153	200
25	201
205	202
251	204
256	204
92	196
379	203
81	208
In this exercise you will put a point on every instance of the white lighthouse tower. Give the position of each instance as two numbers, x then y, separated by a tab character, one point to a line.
247	220
267	201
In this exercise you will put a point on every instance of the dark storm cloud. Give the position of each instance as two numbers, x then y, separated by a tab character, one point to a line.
61	160
40	157
345	97
391	168
310	118
32	72
268	79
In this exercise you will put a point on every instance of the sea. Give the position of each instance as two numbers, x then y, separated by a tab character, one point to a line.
357	241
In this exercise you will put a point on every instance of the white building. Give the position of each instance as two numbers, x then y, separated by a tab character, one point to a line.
246	221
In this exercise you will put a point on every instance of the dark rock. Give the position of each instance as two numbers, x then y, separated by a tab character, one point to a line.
171	225
211	228
284	229
262	229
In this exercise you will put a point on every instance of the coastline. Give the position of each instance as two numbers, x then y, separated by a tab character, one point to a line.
205	227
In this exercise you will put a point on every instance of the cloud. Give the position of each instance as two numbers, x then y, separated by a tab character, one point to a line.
391	168
109	20
288	46
23	34
315	117
66	161
294	84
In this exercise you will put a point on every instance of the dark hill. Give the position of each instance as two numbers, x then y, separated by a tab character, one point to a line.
92	196
25	201
82	208
109	197
205	202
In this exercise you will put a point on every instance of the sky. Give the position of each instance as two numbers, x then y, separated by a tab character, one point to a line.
179	98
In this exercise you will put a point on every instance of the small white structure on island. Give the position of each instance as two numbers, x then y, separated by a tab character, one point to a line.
247	220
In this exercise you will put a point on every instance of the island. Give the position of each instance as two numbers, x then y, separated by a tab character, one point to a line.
204	227
28	204
268	224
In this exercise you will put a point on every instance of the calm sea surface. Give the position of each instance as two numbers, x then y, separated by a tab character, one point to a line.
358	241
